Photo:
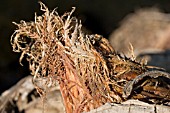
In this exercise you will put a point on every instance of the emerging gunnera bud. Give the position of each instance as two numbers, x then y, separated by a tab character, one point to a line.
90	73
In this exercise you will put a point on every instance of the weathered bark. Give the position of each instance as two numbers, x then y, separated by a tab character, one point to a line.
131	106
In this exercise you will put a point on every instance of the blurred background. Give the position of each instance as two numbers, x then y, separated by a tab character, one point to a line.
98	16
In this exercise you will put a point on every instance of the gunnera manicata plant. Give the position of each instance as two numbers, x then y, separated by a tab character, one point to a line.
89	71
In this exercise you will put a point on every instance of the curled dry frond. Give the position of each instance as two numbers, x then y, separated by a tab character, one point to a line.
89	71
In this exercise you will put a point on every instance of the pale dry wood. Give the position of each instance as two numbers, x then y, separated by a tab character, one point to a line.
131	106
19	96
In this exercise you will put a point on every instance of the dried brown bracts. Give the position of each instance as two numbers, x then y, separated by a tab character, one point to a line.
151	86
